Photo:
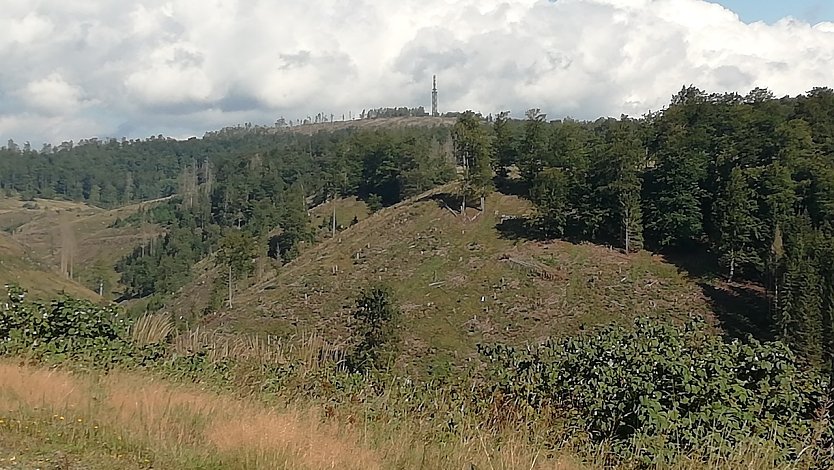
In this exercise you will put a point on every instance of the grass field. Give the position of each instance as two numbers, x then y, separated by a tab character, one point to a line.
42	282
57	419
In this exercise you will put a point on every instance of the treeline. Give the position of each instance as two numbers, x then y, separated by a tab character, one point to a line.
250	207
114	172
747	179
393	112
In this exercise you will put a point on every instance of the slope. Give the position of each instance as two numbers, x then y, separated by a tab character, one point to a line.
460	281
70	236
16	266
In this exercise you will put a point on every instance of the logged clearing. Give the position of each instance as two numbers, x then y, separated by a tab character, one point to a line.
459	281
69	236
42	282
57	419
370	124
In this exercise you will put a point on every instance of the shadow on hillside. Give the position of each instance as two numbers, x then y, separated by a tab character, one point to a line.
443	200
511	186
742	310
519	228
695	261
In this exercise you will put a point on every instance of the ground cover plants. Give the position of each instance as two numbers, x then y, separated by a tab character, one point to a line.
652	394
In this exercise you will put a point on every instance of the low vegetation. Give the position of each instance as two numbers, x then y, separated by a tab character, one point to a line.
613	396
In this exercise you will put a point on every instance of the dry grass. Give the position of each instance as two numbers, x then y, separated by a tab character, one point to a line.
311	351
299	436
151	329
37	388
192	428
173	418
182	420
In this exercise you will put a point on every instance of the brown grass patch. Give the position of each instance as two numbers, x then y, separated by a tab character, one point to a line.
38	388
171	418
301	437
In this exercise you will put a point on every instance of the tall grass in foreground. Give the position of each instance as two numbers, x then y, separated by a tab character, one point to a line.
185	427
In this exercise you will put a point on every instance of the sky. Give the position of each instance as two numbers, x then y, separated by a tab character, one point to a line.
75	69
770	11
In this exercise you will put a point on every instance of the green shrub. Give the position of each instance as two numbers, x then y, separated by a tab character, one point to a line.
664	389
62	329
376	319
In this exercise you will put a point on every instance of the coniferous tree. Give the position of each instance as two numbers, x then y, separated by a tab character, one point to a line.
799	319
504	147
550	194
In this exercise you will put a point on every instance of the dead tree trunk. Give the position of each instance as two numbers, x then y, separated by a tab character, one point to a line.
230	286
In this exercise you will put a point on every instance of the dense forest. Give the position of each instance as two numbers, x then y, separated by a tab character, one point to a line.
745	180
237	191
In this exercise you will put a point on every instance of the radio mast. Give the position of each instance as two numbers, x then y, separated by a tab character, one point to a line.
434	112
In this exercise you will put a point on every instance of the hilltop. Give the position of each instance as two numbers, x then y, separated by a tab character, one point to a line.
376	123
459	281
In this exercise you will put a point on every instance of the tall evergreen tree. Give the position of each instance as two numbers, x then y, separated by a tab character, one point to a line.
550	194
504	151
799	319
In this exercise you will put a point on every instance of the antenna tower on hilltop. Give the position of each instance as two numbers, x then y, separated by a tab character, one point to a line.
434	112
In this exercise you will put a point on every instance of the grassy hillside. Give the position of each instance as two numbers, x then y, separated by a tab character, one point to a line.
378	123
459	281
16	266
54	231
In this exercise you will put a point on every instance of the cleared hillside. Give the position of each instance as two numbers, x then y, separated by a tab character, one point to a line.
60	233
16	266
460	281
367	124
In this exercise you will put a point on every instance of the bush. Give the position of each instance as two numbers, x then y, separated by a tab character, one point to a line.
374	202
664	389
62	328
375	329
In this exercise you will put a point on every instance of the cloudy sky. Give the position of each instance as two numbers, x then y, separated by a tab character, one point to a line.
74	69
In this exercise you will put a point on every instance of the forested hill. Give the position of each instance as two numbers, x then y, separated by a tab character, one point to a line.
745	183
113	172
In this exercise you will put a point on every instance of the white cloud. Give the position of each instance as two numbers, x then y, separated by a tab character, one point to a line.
52	95
180	67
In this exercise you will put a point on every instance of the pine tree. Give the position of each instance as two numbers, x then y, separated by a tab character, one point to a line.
799	319
825	266
504	147
550	194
